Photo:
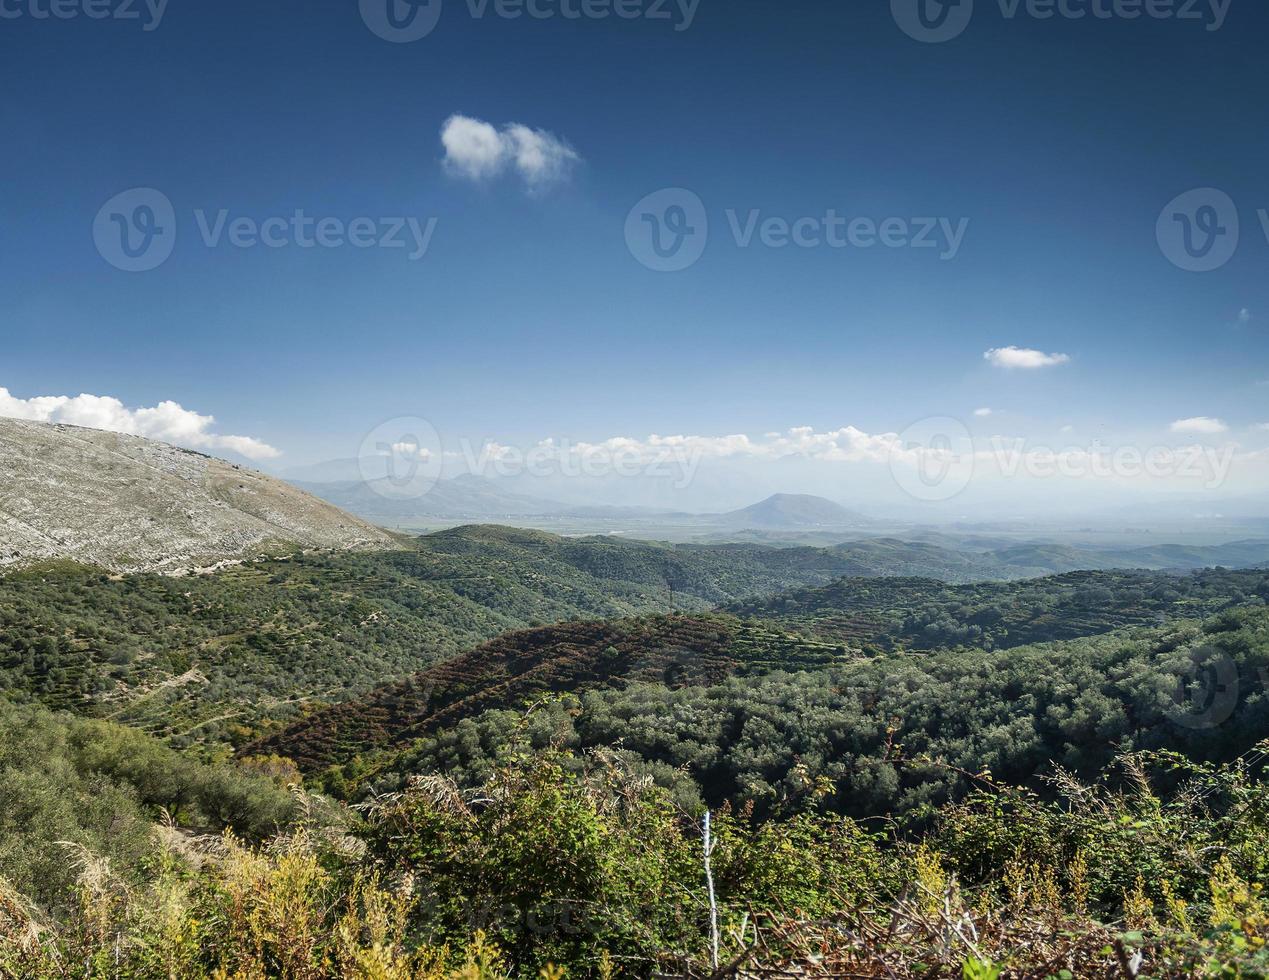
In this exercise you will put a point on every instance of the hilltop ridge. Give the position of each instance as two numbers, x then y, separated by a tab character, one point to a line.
128	504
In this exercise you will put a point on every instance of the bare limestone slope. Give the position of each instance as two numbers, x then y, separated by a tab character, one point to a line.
129	504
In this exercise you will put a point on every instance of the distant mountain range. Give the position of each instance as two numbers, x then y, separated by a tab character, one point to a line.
338	471
470	497
461	498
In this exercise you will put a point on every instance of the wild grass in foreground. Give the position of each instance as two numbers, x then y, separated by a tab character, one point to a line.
552	869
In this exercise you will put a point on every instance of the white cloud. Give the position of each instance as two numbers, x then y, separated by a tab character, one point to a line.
1262	427
167	421
1067	429
410	449
1244	315
1200	425
477	150
473	148
847	444
982	413
540	158
1022	357
1198	465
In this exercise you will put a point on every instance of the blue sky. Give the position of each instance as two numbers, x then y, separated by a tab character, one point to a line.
1057	141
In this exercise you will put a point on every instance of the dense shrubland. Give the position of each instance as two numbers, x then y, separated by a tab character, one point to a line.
623	656
1193	687
519	667
94	786
563	865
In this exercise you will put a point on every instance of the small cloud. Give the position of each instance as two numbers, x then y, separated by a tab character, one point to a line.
410	449
982	413
1200	425
167	421
477	150
1023	358
1244	315
1066	429
473	148
1262	427
540	158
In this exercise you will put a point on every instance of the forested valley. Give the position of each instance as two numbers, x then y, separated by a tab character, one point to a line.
496	753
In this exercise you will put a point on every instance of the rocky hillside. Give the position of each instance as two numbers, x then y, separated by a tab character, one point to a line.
131	504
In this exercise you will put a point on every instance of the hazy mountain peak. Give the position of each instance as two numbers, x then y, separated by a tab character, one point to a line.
784	510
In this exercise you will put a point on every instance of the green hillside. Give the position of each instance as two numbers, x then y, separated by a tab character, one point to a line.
888	734
925	614
205	658
840	628
518	668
